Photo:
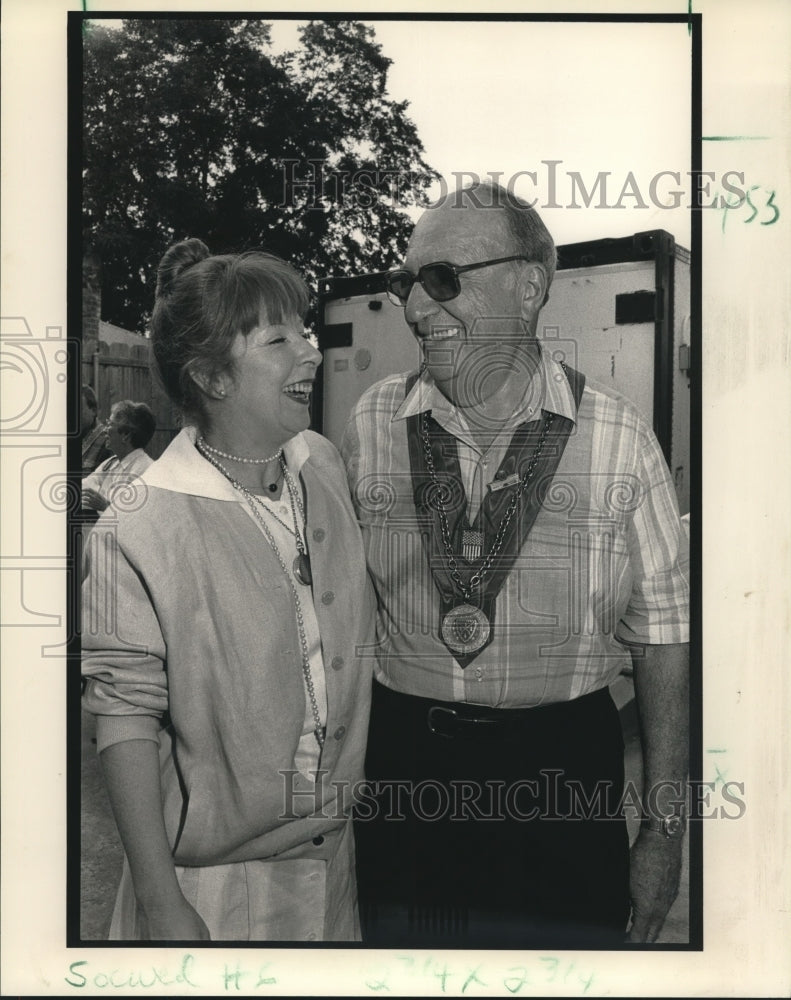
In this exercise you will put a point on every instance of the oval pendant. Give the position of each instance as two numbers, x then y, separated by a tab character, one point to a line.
302	569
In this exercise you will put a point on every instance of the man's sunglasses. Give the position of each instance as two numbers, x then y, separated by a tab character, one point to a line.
440	280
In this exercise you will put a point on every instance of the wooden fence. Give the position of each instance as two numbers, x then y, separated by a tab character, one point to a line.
121	371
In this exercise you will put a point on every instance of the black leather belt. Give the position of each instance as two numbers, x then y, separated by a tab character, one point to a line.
461	720
453	723
466	721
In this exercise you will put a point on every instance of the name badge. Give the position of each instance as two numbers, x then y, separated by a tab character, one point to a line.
502	484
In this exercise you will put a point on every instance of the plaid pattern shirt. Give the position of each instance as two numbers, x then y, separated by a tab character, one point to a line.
605	561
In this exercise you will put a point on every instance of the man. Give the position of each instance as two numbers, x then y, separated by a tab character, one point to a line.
93	432
523	536
129	429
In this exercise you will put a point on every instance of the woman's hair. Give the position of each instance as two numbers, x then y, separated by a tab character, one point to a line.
134	419
203	302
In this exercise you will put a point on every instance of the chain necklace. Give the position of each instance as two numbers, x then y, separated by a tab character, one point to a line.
302	569
467	588
318	729
301	565
206	447
279	515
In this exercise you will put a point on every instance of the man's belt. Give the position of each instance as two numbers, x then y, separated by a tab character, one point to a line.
462	720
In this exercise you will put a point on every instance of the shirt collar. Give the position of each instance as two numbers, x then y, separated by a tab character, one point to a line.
129	460
549	390
182	469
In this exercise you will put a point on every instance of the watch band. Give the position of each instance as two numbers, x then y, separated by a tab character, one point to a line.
672	827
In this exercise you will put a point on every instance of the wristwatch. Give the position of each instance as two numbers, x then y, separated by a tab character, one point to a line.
672	826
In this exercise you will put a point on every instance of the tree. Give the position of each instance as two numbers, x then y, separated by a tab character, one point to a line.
193	127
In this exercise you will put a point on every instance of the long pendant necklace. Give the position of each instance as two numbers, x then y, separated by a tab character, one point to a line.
318	729
301	565
465	628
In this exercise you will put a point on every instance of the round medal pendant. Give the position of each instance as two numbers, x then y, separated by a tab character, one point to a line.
301	569
465	629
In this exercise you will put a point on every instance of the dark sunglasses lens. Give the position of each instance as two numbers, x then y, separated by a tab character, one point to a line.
399	284
440	282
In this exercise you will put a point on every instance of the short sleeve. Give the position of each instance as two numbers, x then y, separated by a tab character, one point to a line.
123	651
658	609
350	453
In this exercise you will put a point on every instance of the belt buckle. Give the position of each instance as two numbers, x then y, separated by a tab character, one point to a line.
437	710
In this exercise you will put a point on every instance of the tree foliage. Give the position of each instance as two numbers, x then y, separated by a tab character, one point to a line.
194	127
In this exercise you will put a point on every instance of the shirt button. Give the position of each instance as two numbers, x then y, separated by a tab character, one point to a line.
337	662
327	597
340	732
318	535
318	841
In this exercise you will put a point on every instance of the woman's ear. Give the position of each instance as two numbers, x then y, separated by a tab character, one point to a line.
212	385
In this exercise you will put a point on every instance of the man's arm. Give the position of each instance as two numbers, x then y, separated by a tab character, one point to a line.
661	681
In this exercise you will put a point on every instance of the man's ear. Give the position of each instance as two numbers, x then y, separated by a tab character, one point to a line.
534	289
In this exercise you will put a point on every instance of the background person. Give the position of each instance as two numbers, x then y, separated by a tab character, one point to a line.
231	740
92	432
127	432
523	536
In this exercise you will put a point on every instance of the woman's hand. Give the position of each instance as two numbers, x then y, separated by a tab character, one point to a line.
93	500
174	920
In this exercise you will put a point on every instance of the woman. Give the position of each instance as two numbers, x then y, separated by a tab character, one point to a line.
129	429
232	696
93	433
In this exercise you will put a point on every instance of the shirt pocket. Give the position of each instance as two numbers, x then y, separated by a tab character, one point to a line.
573	580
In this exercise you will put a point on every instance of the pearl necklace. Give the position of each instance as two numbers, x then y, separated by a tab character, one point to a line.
318	729
205	446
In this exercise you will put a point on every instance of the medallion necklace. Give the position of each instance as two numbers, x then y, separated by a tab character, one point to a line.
465	628
318	729
467	588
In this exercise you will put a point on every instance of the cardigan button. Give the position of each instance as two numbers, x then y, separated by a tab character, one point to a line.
318	841
337	662
327	597
340	732
319	534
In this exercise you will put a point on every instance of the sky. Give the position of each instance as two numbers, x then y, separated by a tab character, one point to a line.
502	98
589	120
